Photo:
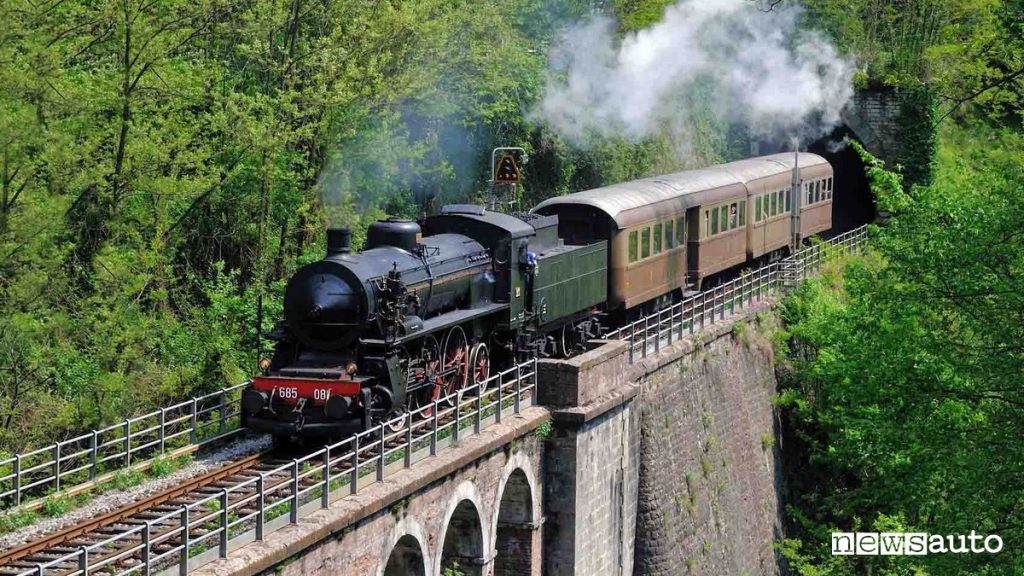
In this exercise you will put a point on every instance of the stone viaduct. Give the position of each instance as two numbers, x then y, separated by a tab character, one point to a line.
666	466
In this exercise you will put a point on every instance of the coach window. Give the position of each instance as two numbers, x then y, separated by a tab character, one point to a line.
668	235
785	195
714	221
680	231
723	220
645	242
657	238
757	209
743	212
633	246
774	205
734	216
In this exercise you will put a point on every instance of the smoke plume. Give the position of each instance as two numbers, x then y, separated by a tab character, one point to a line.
743	65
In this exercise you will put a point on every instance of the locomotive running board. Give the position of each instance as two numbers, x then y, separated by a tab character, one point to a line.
442	321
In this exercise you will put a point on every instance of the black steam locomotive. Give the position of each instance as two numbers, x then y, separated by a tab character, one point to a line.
419	314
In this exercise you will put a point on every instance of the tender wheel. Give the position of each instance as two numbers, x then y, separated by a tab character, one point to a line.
456	365
480	366
565	346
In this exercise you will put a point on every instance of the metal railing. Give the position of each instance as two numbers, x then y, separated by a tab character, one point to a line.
70	463
648	334
203	531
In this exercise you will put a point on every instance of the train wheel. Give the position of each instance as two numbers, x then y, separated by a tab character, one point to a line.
480	366
456	365
428	373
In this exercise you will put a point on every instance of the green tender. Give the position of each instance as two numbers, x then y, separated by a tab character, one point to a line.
570	280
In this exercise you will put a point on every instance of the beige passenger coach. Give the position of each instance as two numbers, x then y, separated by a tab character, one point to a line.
671	233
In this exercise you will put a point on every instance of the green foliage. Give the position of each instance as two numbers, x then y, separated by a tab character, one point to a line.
19	519
152	205
544	431
906	400
57	505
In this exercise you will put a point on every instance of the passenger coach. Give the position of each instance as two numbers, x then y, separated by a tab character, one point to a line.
677	232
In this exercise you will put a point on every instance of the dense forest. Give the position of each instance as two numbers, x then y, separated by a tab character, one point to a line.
167	163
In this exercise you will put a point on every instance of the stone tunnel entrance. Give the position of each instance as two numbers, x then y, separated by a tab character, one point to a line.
406	559
463	549
853	203
514	542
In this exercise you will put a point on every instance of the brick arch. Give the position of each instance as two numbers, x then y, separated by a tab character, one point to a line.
463	535
516	520
405	552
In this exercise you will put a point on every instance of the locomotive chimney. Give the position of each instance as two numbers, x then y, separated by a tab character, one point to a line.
339	241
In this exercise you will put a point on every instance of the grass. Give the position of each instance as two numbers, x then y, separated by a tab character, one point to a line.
18	519
767	441
544	431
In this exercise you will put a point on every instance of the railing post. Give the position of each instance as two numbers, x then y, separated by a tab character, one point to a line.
224	519
261	507
193	434
380	462
632	334
83	560
325	492
643	351
657	334
185	542
479	410
127	443
94	446
17	479
222	412
671	322
294	512
408	439
353	482
458	418
517	403
536	379
146	533
433	431
498	414
162	433
56	466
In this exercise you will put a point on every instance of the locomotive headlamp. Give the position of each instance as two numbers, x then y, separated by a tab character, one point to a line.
351	368
264	363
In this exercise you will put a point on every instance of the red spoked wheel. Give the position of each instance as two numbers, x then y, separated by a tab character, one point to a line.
429	370
480	366
456	365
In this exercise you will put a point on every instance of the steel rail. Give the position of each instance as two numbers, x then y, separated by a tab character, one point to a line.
55	539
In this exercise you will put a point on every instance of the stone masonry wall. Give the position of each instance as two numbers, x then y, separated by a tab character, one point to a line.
709	474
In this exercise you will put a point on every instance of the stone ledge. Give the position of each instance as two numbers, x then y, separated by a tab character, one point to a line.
583	414
294	539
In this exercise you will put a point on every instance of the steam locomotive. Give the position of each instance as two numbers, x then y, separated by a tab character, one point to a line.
426	309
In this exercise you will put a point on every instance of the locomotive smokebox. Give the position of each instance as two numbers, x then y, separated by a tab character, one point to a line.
339	241
404	234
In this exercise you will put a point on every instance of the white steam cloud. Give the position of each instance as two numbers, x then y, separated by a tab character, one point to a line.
746	66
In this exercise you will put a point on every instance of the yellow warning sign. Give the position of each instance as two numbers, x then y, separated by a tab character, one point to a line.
507	171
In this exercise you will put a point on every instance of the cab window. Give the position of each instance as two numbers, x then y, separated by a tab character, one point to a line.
645	242
633	246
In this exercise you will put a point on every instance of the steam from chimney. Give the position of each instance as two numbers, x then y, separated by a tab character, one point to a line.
753	68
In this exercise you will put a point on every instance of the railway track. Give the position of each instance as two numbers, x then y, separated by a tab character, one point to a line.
246	495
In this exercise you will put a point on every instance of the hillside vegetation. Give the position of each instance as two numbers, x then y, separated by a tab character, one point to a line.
166	164
906	404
